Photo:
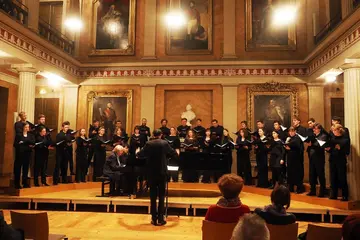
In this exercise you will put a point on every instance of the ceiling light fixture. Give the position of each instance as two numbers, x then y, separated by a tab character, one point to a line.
284	15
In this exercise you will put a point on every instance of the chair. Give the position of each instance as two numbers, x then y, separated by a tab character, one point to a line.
106	181
217	231
328	233
283	232
34	225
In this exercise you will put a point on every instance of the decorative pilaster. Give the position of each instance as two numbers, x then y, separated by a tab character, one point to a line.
150	29
148	105
316	102
70	104
26	89
229	29
346	8
33	22
352	120
230	113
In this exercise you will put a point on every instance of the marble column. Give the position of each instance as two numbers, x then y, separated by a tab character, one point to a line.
346	8
230	114
70	104
150	30
148	105
229	29
33	19
26	90
352	122
316	102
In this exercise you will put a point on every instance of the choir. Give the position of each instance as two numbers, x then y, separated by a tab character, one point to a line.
281	150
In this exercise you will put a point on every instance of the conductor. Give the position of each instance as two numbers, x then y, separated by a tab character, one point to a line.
157	152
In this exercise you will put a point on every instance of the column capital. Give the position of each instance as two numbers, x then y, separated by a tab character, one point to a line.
25	67
317	84
351	63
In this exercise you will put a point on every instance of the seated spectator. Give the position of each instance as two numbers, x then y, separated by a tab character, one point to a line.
276	212
9	233
251	227
351	227
229	208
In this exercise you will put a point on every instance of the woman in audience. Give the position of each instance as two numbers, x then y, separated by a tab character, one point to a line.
251	227
276	212
351	227
229	208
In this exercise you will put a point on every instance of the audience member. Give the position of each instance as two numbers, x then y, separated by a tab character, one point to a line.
351	227
276	212
229	207
7	232
251	227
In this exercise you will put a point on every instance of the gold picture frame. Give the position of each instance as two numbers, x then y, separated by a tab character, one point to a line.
271	91
262	36
191	40
126	50
128	94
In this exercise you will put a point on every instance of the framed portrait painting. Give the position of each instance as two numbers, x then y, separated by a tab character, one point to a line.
195	35
270	102
109	107
262	33
114	27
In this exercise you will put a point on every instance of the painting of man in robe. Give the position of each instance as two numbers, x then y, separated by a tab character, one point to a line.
112	26
270	108
195	34
262	30
108	110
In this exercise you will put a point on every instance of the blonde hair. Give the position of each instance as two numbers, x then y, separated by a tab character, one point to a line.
338	127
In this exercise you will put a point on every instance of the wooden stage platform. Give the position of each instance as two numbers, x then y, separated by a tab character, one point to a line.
188	196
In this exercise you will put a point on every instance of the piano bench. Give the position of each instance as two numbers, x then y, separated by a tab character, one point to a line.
106	181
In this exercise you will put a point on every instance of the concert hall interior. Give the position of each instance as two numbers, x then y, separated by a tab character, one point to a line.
148	119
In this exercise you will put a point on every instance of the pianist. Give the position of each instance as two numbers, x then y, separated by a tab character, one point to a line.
114	166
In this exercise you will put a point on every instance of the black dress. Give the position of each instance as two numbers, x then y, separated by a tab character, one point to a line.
277	153
207	147
243	159
119	140
294	162
82	149
262	161
23	152
174	142
338	160
136	141
41	158
93	131
99	156
188	157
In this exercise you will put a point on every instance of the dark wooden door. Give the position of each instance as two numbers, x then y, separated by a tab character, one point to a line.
4	94
337	108
50	108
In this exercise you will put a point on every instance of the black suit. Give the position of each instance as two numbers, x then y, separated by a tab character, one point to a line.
157	152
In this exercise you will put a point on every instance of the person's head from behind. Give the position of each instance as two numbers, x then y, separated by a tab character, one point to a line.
351	227
157	133
230	185
280	197
251	227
